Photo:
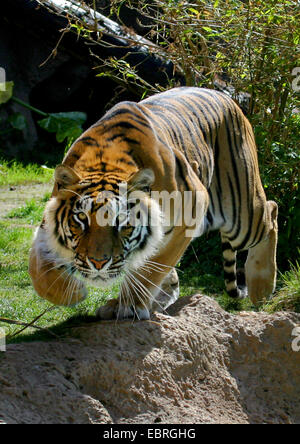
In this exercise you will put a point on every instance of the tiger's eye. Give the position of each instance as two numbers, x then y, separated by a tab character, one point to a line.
81	216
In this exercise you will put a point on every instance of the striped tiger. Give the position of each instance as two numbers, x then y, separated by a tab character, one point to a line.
188	141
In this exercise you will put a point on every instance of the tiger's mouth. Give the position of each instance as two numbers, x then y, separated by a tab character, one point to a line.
99	278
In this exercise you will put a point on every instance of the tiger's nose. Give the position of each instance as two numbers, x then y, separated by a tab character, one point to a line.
99	264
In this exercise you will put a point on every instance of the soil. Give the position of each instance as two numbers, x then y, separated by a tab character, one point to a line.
15	196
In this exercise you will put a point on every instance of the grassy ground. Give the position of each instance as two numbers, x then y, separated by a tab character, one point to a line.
13	173
18	301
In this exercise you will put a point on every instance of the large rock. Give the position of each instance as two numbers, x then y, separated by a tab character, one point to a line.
198	364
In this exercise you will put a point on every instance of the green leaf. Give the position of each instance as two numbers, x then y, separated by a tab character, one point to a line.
77	116
193	11
6	91
18	121
66	125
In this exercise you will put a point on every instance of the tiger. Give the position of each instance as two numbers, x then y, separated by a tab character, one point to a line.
188	141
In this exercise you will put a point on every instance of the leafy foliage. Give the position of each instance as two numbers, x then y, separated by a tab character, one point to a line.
67	125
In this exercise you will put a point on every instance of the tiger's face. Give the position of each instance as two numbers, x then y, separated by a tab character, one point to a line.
100	230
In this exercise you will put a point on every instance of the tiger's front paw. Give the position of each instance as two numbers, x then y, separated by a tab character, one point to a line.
168	294
113	309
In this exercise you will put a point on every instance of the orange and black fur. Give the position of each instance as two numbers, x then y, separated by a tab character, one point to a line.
185	139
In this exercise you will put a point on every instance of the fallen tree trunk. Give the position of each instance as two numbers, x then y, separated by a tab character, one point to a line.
48	19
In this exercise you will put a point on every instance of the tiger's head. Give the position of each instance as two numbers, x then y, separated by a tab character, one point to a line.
101	226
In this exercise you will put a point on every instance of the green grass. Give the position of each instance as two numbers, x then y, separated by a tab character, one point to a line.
31	212
195	280
15	173
287	298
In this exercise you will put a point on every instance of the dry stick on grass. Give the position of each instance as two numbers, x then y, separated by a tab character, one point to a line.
11	321
30	324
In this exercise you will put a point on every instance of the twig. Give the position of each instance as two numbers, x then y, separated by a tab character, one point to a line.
11	321
31	324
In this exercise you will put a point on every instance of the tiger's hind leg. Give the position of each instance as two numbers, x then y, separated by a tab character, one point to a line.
232	284
260	265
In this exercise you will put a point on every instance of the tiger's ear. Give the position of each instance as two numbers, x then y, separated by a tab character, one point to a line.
142	179
65	176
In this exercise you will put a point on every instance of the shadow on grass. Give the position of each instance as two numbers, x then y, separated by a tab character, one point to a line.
55	332
213	286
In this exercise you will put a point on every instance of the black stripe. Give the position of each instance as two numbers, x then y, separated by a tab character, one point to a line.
236	213
178	164
200	109
209	107
131	141
89	141
229	263
226	246
115	136
209	218
234	293
261	235
118	112
229	276
125	125
259	223
211	132
218	177
240	154
60	241
62	203
231	144
169	231
171	125
204	156
123	137
211	200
